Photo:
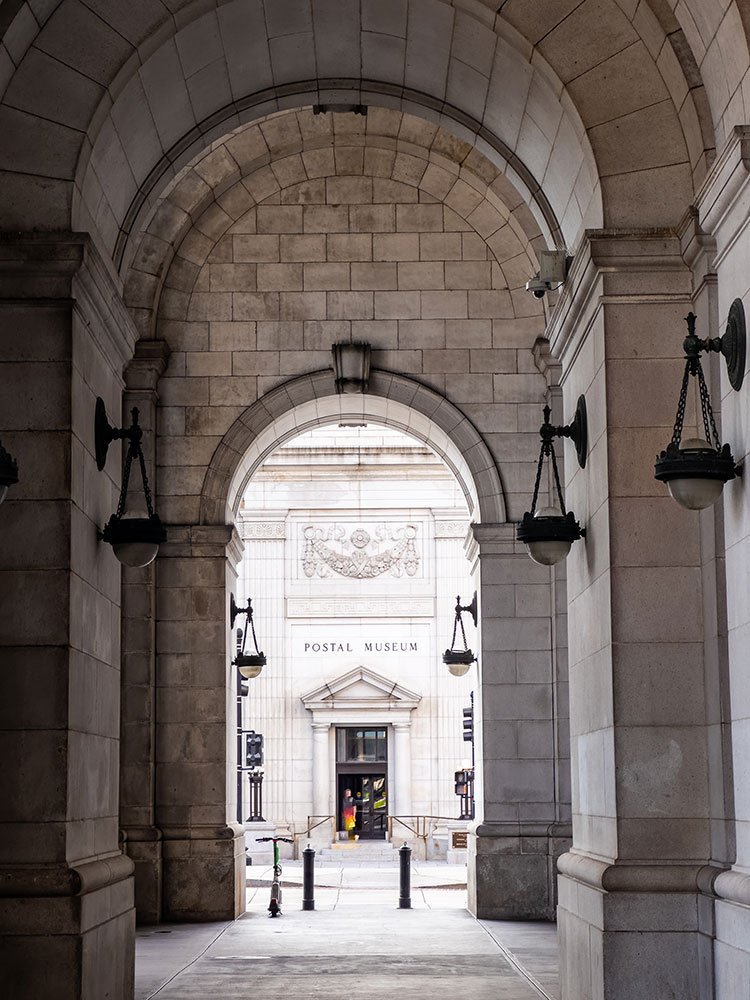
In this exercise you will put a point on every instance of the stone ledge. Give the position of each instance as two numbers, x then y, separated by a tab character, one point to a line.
631	877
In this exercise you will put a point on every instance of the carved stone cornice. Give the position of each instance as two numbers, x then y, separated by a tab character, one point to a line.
148	364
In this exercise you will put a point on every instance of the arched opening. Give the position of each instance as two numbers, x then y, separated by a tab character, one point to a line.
354	543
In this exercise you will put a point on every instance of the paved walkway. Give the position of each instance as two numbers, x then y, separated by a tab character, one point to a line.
355	943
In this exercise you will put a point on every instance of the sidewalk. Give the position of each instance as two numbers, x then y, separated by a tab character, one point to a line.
356	941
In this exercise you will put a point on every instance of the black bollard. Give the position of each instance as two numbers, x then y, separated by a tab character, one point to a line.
308	878
404	895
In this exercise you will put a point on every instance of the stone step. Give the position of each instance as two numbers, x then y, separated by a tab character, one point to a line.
359	851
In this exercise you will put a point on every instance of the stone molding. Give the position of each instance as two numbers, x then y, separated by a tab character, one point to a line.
366	607
620	877
45	270
725	183
498	538
734	886
208	540
347	692
148	364
269	530
256	428
76	880
450	529
499	830
599	274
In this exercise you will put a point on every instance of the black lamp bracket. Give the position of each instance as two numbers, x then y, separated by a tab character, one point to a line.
732	345
105	434
576	431
471	608
234	610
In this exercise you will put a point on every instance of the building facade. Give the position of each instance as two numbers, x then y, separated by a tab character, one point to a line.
355	543
200	198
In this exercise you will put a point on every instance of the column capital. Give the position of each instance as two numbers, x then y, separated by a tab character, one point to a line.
207	540
627	267
498	537
401	724
321	727
147	365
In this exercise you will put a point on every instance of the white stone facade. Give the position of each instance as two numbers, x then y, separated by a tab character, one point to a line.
355	548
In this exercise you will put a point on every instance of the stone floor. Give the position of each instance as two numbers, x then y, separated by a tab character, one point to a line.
355	943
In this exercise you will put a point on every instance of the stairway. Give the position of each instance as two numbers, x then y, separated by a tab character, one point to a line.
360	850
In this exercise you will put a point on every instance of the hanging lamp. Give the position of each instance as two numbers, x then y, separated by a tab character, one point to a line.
695	469
549	531
135	540
458	661
248	664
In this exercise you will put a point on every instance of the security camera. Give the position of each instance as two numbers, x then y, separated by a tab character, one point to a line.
553	269
537	286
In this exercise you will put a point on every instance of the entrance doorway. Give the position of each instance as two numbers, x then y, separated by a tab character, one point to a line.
361	769
370	798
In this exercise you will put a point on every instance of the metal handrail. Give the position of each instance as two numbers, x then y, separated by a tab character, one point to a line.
321	820
423	824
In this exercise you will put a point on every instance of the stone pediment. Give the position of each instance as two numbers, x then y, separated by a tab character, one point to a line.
361	688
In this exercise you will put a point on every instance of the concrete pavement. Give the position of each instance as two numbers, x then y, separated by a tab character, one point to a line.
355	943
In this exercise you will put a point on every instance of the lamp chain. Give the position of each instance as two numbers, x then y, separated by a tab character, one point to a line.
708	413
134	435
680	418
539	468
557	478
458	621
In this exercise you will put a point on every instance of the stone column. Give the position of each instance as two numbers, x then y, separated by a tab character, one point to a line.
321	770
723	213
141	837
518	832
402	769
630	918
67	888
203	845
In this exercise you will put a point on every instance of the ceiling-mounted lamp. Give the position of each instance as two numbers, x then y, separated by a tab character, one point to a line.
248	664
135	540
8	472
549	532
458	661
351	367
696	469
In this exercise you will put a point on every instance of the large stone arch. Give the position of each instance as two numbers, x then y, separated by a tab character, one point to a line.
311	400
287	155
115	119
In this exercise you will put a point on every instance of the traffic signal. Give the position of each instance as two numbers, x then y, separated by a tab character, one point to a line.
468	724
253	749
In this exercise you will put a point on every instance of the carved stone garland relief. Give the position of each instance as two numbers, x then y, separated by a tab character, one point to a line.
351	558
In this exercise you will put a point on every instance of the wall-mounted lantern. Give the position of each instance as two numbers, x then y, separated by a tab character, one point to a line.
696	469
549	532
8	472
135	540
351	367
249	664
458	661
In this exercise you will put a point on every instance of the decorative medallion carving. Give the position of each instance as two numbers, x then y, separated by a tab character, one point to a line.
350	556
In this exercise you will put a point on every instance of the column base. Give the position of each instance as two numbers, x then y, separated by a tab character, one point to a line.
204	873
512	876
69	933
144	847
633	930
732	945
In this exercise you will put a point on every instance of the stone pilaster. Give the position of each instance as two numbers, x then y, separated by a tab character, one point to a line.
722	208
67	888
518	831
203	845
142	838
629	913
